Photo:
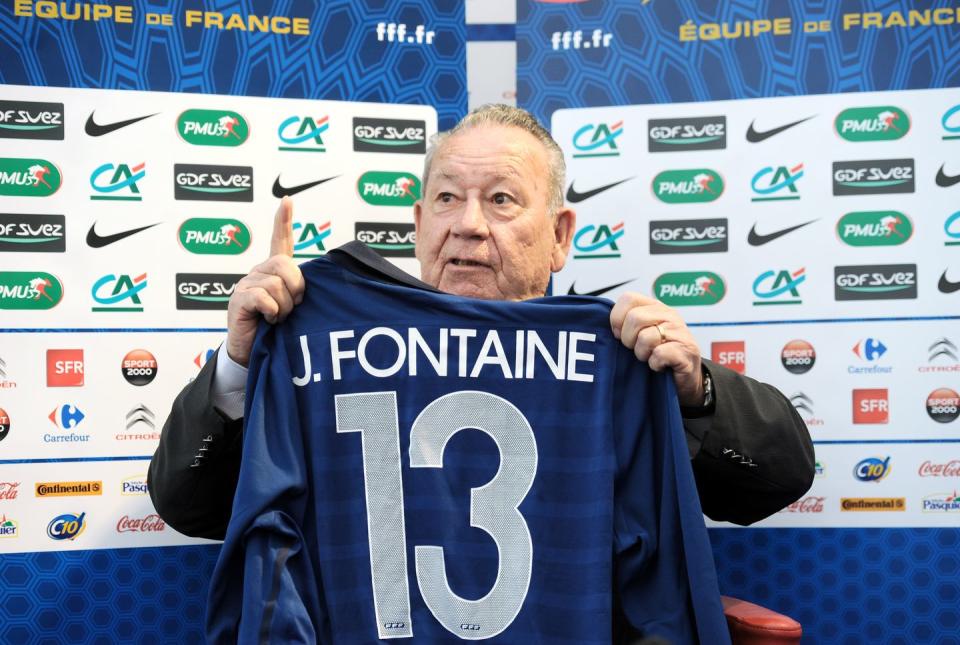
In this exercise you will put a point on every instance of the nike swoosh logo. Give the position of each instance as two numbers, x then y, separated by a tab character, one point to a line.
99	241
945	286
755	239
753	136
95	129
280	191
573	291
573	196
944	180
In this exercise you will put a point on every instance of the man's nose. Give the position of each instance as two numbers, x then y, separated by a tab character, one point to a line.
471	222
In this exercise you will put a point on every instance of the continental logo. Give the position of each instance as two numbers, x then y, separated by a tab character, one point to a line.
689	288
28	177
31	120
389	135
212	128
32	233
68	489
688	186
29	290
205	290
388	188
875	282
389	240
688	236
213	183
880	123
877	177
873	504
696	133
874	228
214	236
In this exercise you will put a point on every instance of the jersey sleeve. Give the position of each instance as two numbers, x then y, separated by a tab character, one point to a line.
665	577
263	587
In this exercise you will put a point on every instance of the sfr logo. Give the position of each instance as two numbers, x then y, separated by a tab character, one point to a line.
871	406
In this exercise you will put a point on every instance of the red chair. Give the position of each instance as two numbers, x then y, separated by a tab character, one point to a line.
752	624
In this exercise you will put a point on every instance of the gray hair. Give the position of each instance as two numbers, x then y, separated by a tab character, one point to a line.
507	115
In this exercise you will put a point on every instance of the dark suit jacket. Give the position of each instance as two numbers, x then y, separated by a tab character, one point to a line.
751	452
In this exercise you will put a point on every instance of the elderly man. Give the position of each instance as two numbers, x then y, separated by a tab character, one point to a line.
491	224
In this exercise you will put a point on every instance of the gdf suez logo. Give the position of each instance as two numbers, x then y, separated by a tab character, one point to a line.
875	282
310	238
31	120
874	228
205	290
28	177
32	233
119	293
872	469
213	183
389	135
879	123
694	133
303	133
389	240
117	181
776	184
688	236
598	140
876	177
598	242
779	287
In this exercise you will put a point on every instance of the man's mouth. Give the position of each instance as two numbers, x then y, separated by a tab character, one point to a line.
466	263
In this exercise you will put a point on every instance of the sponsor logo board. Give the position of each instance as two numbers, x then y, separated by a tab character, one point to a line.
688	236
212	183
389	135
32	233
875	282
874	177
35	290
31	120
692	133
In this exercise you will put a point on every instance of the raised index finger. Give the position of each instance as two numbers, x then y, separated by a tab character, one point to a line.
281	242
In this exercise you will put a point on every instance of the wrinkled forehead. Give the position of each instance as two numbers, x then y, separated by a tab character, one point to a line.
489	153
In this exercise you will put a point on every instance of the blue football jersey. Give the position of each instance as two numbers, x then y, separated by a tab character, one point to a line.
432	469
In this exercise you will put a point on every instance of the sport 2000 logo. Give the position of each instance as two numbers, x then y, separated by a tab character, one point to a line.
68	526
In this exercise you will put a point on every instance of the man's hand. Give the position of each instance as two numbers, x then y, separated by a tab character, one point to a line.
639	321
271	289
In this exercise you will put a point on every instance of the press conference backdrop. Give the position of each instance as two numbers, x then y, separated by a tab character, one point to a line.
788	176
141	162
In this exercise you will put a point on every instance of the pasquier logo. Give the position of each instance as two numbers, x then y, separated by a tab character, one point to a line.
205	290
31	120
730	353
688	236
798	357
139	367
213	183
875	282
875	177
389	240
693	133
943	405
32	233
871	405
389	135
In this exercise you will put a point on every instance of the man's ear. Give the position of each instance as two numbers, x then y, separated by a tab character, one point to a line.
564	224
417	212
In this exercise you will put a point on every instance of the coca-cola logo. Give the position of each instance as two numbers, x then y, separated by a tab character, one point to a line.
949	469
809	504
9	490
149	524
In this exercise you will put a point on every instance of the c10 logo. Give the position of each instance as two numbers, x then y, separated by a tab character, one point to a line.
67	526
872	469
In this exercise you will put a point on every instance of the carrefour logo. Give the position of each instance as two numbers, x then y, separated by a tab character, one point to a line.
876	177
117	181
303	133
874	228
119	293
214	236
872	469
212	128
951	123
598	140
779	287
689	288
952	229
879	123
776	184
598	242
388	188
28	177
29	290
688	186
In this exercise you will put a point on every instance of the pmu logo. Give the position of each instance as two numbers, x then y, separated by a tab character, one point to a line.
869	349
68	526
875	282
880	123
951	123
730	353
213	183
32	233
28	177
4	424
139	367
798	356
943	405
874	228
205	290
389	135
776	184
951	227
119	293
871	405
214	236
689	288
695	133
872	469
597	140
877	177
29	290
388	188
117	182
688	186
303	133
779	287
389	240
66	416
310	238
688	236
212	128
31	120
598	242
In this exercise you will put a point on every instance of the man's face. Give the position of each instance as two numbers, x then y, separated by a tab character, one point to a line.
483	228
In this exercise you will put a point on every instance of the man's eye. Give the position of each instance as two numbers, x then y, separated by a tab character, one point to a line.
446	198
501	199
